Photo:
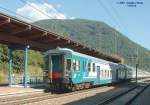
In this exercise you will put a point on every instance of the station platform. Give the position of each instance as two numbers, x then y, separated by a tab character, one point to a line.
11	91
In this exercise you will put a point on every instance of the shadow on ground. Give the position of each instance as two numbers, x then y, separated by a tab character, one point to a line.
98	97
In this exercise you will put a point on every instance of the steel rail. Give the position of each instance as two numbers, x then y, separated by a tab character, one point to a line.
138	94
108	100
32	99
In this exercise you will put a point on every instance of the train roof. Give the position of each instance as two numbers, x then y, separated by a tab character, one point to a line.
69	51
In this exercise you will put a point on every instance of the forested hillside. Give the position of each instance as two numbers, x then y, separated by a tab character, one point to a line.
91	33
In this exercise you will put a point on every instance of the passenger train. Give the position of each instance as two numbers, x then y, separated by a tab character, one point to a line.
68	69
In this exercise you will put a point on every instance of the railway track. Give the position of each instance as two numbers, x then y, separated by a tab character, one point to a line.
126	97
39	97
46	96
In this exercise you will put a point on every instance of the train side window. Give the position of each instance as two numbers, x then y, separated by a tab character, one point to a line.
110	73
89	66
98	68
101	74
105	73
93	67
68	64
77	65
74	64
83	65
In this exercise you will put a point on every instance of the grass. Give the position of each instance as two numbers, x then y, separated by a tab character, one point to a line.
3	77
35	71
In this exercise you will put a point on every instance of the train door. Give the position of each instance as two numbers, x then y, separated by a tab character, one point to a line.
56	67
67	70
76	75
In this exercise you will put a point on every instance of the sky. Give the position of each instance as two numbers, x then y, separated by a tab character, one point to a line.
130	17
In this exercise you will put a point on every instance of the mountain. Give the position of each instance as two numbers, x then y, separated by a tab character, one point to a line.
99	35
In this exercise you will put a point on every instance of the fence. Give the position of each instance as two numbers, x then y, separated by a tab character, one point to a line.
30	80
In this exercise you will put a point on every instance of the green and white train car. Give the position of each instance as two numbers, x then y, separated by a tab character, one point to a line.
73	70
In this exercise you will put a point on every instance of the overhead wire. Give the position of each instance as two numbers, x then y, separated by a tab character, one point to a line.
124	27
115	12
117	22
42	12
44	5
16	15
35	8
55	8
114	21
108	13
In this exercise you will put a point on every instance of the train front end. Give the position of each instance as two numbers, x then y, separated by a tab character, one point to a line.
59	69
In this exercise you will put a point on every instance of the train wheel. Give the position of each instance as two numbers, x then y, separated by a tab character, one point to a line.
77	86
73	88
82	86
87	85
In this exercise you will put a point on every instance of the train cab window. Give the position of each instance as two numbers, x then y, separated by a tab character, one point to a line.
77	65
89	66
93	67
68	64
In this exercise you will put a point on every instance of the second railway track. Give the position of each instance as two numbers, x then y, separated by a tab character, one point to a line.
126	97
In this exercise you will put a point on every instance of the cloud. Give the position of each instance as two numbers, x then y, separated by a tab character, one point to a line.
48	9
